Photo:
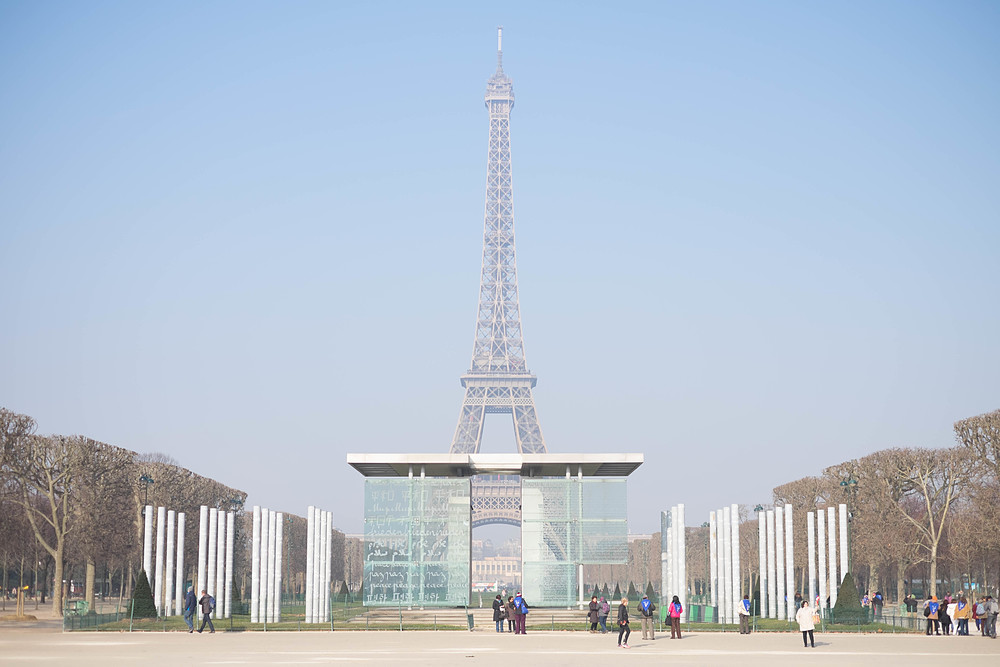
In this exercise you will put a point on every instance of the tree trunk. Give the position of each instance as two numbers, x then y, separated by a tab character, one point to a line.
900	584
57	588
88	594
933	573
4	591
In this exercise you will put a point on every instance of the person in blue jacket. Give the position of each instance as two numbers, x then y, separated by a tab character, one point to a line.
190	604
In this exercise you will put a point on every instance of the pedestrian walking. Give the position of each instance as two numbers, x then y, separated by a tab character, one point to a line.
593	615
646	609
804	617
992	610
207	603
744	609
498	613
623	629
603	615
674	610
190	605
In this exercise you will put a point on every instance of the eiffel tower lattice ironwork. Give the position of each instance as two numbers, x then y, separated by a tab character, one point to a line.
498	380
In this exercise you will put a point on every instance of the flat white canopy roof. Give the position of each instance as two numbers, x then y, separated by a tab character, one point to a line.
464	465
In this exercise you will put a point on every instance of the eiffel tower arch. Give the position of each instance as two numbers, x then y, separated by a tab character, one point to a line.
498	380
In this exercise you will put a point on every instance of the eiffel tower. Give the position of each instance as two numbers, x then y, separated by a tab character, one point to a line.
498	380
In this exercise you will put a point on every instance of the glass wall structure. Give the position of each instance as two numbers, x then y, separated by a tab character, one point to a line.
418	539
566	523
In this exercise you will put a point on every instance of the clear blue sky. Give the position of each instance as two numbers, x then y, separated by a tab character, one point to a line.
754	239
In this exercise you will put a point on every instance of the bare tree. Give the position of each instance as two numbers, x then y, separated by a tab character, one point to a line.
981	436
45	466
935	477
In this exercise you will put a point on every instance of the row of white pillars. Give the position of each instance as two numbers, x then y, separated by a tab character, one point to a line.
167	579
673	559
319	549
777	559
265	565
216	535
724	561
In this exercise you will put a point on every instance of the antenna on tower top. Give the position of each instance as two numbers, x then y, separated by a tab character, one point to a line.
499	49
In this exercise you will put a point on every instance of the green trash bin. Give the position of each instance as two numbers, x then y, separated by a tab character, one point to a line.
472	621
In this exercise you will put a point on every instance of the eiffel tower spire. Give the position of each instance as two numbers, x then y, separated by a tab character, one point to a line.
498	380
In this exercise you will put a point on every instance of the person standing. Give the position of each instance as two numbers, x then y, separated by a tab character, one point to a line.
646	609
603	615
509	613
877	603
498	613
674	610
962	616
744	609
207	603
944	617
992	610
931	607
623	629
593	614
190	605
520	613
804	617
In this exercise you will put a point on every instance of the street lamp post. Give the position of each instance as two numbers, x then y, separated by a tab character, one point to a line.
850	486
146	480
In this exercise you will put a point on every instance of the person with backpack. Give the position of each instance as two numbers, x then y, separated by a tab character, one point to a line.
623	629
646	609
962	609
979	613
992	610
520	612
744	609
931	608
190	605
603	615
207	603
674	610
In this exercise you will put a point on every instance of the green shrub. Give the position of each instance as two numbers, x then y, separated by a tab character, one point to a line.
142	599
848	608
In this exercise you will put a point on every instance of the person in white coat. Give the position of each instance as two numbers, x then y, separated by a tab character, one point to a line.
804	616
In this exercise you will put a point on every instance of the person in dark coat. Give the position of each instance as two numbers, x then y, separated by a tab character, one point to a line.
499	611
592	615
207	603
509	610
190	606
623	629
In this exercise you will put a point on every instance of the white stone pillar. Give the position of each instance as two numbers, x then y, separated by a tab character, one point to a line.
821	554
668	583
220	568
230	542
202	550
168	585
272	534
179	583
789	563
845	563
213	535
681	552
779	561
255	568
762	562
310	556
736	577
663	559
726	589
147	544
278	541
161	520
831	521
772	568
325	599
811	555
713	559
265	567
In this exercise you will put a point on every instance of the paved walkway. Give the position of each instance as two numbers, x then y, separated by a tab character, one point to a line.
579	649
